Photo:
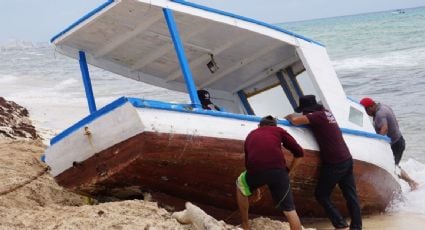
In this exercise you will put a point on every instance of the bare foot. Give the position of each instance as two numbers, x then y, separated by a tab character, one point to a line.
413	185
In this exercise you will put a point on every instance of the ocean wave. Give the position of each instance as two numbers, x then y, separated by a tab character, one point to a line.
7	79
411	201
401	59
66	84
16	44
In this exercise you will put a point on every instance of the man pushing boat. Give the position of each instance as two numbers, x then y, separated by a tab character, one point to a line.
337	162
265	165
385	123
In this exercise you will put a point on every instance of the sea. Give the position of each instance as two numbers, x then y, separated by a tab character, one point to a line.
379	55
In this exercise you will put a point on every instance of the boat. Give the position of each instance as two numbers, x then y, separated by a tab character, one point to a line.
180	151
399	11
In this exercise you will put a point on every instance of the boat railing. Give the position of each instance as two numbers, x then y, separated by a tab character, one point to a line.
186	108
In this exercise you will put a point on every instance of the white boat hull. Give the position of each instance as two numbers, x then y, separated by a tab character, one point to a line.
196	157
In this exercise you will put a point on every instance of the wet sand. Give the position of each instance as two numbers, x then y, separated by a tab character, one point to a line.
388	221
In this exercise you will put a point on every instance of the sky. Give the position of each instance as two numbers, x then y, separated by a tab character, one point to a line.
40	20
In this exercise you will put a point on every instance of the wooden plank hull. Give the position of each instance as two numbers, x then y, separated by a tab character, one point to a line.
203	170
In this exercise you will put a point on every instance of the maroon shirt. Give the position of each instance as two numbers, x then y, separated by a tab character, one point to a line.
263	148
333	148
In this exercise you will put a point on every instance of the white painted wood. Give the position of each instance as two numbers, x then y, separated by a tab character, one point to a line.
377	152
367	124
168	47
103	35
240	64
195	63
85	23
123	38
323	76
112	128
224	19
265	74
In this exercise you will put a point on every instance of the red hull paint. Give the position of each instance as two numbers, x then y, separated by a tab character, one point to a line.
203	170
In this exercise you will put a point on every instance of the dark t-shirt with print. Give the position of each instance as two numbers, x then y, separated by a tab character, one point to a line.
333	148
263	148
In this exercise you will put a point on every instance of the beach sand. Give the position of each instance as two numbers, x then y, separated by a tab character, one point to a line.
31	199
387	221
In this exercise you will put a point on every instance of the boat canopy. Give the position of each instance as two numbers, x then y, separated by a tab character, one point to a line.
225	52
234	57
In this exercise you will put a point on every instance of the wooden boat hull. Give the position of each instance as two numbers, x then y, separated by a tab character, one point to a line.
204	169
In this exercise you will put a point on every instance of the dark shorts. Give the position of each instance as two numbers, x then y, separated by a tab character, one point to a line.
278	182
398	149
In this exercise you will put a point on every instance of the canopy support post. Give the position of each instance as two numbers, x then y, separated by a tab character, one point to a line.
294	81
245	103
184	65
87	83
287	89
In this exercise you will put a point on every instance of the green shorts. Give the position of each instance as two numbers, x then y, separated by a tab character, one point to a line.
277	180
242	185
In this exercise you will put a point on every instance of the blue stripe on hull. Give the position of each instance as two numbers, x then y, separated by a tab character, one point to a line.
185	108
